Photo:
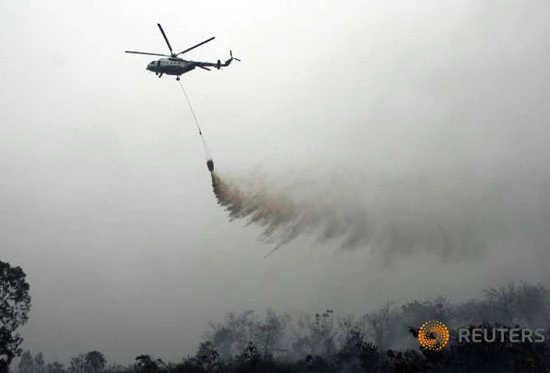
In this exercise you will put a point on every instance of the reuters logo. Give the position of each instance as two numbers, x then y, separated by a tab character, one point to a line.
433	335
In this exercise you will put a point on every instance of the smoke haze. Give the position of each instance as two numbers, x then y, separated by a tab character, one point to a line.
353	133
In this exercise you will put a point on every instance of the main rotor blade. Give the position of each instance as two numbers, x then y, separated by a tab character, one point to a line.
202	67
165	38
198	45
147	53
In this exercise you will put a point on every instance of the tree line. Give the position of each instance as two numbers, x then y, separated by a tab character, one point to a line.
383	340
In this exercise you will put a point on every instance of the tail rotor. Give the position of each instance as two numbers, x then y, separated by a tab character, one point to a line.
233	58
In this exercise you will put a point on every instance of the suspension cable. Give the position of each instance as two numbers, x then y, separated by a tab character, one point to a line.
209	161
190	107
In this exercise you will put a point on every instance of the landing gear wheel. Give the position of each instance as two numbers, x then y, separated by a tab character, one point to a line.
178	78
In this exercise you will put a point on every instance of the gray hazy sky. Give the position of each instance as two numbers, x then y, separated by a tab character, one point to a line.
432	112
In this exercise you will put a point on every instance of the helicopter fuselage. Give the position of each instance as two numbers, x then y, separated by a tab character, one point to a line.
174	65
170	66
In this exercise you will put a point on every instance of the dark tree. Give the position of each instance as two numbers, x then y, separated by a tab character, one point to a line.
379	326
78	364
207	359
39	365
357	355
146	364
15	303
26	363
92	362
231	336
95	362
270	332
222	339
55	367
316	335
250	356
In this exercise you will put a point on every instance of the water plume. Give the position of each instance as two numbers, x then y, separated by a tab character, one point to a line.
386	225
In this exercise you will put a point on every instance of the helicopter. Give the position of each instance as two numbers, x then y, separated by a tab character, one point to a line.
174	65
